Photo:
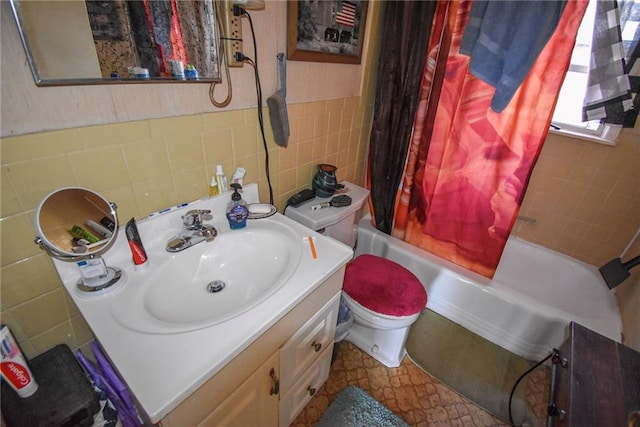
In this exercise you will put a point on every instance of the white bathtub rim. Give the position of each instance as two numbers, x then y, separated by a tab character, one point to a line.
512	339
508	339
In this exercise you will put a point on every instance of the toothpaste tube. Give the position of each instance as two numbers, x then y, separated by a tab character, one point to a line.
14	367
135	244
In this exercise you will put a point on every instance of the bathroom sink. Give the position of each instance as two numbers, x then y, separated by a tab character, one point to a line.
168	332
211	282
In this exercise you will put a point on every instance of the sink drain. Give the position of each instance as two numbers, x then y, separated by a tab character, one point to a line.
215	286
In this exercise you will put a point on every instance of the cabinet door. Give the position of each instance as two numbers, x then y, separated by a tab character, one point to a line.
254	402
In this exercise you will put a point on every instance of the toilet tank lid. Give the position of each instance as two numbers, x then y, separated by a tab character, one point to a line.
325	217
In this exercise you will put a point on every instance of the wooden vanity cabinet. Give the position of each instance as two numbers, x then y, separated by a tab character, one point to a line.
295	353
254	403
305	360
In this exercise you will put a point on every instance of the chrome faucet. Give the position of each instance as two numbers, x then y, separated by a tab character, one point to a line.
193	231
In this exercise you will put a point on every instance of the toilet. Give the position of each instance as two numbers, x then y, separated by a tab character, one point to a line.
384	297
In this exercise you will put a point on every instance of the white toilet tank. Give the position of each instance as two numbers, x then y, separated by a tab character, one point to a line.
338	223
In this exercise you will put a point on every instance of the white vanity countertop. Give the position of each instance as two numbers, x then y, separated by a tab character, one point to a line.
162	370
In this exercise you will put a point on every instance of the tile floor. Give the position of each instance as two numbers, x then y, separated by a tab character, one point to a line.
415	396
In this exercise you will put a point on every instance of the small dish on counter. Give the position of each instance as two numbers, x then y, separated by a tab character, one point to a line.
261	210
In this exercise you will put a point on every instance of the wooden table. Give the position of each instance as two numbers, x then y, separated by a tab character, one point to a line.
600	384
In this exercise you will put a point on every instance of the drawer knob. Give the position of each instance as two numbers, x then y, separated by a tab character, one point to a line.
275	389
316	346
311	390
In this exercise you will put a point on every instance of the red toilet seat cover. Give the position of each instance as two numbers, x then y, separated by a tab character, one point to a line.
383	286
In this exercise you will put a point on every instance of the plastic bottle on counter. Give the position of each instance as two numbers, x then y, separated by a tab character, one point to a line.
237	211
238	176
221	179
213	187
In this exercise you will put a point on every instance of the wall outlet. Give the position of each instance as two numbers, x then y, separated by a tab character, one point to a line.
231	35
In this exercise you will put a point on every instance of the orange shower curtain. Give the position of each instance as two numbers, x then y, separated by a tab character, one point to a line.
468	167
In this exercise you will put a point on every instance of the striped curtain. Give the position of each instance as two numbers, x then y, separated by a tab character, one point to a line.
196	21
157	34
614	78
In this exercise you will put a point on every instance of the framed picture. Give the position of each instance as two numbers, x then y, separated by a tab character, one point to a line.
326	31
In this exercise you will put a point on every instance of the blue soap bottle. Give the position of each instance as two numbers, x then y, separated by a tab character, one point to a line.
237	211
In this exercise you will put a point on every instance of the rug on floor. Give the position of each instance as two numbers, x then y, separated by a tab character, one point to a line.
472	366
354	407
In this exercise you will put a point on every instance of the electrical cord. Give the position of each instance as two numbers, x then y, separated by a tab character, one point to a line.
238	11
513	390
223	58
212	88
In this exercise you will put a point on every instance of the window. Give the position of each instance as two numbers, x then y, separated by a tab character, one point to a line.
567	117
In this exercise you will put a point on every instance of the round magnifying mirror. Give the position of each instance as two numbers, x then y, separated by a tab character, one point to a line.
75	222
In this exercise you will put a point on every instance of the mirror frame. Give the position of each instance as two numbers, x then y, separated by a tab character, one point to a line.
39	81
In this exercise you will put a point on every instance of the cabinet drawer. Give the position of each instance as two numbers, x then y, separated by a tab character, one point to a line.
297	397
300	351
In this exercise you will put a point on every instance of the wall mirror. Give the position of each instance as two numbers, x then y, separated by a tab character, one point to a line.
76	42
77	224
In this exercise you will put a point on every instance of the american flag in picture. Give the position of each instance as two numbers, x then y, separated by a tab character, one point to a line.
346	14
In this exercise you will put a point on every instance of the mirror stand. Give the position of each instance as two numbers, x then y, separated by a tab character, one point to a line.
95	275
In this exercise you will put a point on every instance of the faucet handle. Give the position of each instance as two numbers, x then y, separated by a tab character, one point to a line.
193	218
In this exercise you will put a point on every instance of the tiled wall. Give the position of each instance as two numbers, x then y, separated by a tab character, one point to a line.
628	295
585	200
144	166
584	197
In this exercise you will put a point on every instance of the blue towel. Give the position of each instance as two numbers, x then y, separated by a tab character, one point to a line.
504	39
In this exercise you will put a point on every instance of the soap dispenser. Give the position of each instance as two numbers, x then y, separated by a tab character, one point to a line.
237	211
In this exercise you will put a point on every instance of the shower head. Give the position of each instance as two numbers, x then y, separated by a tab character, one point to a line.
615	271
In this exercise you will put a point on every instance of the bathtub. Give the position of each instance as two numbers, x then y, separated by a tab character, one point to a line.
527	306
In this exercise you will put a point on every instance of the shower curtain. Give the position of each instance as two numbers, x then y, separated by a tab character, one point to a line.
467	166
157	33
196	20
404	47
